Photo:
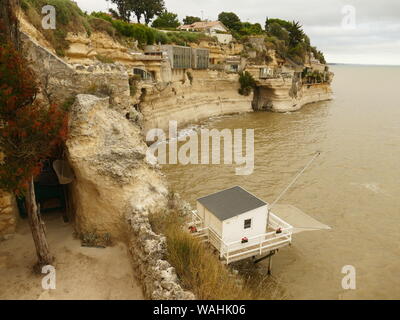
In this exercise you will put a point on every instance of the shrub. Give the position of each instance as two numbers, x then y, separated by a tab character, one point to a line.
104	59
69	18
247	83
102	26
161	37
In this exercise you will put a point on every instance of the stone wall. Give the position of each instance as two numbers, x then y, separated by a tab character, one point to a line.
8	214
60	82
148	250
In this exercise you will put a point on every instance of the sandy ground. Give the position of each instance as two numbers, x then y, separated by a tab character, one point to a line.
81	273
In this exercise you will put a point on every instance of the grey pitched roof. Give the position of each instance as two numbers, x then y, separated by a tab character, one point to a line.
230	203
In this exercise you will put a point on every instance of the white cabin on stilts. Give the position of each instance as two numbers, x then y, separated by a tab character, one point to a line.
239	225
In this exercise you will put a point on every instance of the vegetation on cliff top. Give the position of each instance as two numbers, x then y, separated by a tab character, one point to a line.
286	37
70	18
146	35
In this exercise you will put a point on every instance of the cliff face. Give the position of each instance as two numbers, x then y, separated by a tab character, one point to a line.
107	155
210	93
60	81
115	190
286	95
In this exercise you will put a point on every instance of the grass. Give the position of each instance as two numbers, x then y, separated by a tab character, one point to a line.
69	18
200	270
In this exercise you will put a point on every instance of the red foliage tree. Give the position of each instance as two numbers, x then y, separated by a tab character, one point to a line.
29	133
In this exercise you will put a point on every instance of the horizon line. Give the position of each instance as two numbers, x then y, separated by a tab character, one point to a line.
363	64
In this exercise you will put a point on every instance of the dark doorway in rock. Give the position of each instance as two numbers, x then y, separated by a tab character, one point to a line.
51	195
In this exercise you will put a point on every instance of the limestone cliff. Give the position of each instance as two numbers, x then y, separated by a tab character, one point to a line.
60	81
286	95
208	94
115	190
107	154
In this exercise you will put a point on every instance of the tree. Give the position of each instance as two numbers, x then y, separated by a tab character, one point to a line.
247	83
283	23
146	8
296	34
124	8
248	29
137	7
166	20
230	20
114	14
190	20
275	29
152	8
29	132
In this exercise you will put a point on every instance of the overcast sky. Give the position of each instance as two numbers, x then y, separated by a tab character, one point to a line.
347	31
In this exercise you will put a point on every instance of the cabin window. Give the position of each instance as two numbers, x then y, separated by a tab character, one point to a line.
247	224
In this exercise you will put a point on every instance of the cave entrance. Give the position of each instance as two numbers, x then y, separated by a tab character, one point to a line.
52	191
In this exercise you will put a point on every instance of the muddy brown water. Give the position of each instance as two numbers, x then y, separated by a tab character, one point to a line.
354	186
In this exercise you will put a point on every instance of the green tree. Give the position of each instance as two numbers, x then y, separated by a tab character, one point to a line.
247	83
190	20
283	23
274	29
296	34
230	20
248	29
152	8
137	7
147	9
166	20
124	8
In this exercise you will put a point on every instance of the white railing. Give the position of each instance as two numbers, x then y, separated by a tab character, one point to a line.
196	218
255	245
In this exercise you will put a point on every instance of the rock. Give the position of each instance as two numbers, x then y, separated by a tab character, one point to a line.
107	154
62	81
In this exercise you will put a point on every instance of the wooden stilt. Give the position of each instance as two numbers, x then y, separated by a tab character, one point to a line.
270	265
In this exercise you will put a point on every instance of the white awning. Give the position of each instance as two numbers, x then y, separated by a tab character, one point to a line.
298	219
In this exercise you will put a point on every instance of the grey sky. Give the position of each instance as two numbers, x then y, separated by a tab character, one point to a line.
374	40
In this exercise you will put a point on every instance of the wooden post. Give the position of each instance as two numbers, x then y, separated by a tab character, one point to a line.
38	230
270	265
